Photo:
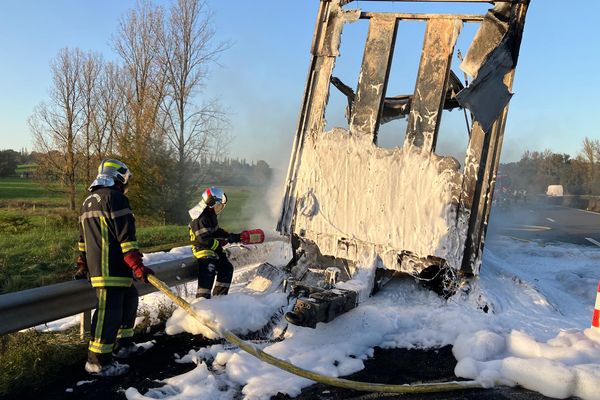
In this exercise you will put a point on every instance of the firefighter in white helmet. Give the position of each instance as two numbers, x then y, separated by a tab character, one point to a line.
208	240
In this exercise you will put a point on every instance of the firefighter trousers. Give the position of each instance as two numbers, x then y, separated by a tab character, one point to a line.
208	269
112	321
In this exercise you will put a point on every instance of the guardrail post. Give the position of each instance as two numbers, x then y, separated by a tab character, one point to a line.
85	323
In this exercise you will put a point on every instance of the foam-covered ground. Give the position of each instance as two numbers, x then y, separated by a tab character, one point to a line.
535	333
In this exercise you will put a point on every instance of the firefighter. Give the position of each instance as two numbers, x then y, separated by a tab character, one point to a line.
110	258
207	244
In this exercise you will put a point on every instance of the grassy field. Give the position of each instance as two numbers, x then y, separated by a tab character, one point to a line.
25	192
38	234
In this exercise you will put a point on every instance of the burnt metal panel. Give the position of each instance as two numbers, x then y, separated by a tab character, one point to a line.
483	157
491	56
375	70
329	18
423	16
487	38
432	78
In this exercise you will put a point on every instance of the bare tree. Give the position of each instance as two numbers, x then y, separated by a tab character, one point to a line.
590	150
144	109
590	154
137	45
90	76
138	140
109	119
188	48
56	124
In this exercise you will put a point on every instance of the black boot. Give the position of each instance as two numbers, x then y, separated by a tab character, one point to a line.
220	289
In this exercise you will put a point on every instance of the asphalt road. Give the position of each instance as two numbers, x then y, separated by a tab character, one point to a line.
541	221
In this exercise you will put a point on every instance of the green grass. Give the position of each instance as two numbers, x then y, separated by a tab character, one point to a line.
45	255
38	242
163	236
32	360
26	168
16	188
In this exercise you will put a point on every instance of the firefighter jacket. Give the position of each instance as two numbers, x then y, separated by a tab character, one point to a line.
107	232
204	232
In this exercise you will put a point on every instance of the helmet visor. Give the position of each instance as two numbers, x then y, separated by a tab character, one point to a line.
126	176
220	205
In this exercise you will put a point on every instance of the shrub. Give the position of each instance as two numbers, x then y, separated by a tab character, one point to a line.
14	224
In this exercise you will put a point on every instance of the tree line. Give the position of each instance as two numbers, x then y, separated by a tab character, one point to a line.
536	170
10	159
146	108
225	171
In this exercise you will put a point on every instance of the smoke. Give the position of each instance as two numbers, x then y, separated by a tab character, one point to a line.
516	221
272	142
264	206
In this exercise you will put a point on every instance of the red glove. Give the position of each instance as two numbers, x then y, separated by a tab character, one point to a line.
134	260
222	242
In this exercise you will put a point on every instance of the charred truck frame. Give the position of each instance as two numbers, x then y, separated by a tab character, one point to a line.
415	210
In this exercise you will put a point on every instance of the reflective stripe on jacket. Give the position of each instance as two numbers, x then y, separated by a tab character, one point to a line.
204	232
107	231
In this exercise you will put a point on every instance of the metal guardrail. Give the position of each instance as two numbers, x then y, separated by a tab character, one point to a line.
28	308
582	202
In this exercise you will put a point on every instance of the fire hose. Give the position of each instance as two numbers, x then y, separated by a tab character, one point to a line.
286	366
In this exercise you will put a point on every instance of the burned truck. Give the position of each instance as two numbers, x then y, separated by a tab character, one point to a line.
415	211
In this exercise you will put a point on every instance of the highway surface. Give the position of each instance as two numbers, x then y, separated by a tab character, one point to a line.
541	221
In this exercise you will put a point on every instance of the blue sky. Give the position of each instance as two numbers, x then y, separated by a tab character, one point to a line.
261	78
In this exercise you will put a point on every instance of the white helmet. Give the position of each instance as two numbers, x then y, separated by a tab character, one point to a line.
109	173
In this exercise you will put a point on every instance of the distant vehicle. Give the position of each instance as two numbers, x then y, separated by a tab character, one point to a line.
554	191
